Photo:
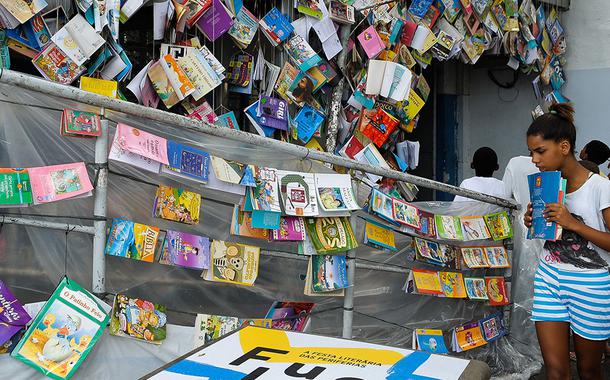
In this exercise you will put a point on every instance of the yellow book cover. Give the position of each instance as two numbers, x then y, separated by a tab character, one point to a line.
415	105
145	241
452	284
427	281
469	336
380	236
103	87
233	263
177	205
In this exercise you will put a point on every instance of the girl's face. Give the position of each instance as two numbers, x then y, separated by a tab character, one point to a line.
547	155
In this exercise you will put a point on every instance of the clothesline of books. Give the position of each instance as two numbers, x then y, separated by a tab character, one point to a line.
454	257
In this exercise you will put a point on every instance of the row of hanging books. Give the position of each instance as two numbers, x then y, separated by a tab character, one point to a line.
56	338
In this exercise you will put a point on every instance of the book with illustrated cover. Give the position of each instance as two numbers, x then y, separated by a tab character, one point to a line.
186	250
142	143
211	327
428	224
195	9
177	205
241	67
78	40
286	78
329	273
422	281
331	235
64	331
474	228
301	53
103	87
371	42
496	291
216	21
291	316
292	228
341	13
119	154
430	251
265	195
448	227
13	317
227	120
244	29
227	170
475	257
276	26
452	284
56	66
381	205
178	79
308	122
59	182
497	257
493	327
138	319
132	240
309	290
429	340
499	225
80	124
467	337
419	8
241	225
475	288
273	113
377	125
405	213
335	192
310	8
232	263
187	162
37	32
378	236
298	193
15	187
202	76
162	85
545	188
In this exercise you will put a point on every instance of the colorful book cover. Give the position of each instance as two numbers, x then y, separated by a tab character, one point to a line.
201	75
298	193
227	120
273	112
310	8
499	225
178	205
265	195
276	26
475	288
335	192
474	228
492	327
331	235
419	8
292	228
381	205
545	188
132	240
216	21
58	182
195	9
211	327
187	250
431	341
496	291
301	53
371	42
244	29
468	337
285	79
452	284
64	332
428	224
56	66
177	77
37	32
117	153
241	225
142	143
377	125
475	257
378	236
308	121
139	319
15	187
102	87
291	316
13	317
241	67
430	250
162	85
448	227
426	281
80	123
497	257
233	263
341	13
188	162
405	213
329	273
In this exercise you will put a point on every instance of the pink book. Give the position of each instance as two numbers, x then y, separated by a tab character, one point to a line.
143	143
371	42
54	183
292	228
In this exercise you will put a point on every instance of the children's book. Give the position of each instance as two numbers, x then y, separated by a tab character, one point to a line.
371	42
187	250
216	21
78	40
496	291
423	281
227	120
195	9
331	235
211	327
310	8
341	13
227	171
142	143
377	125
187	162
265	195
178	79
15	188
291	316
241	225
59	182
499	225
298	193
292	228
103	87
448	227
405	213
451	256
244	29
370	155
273	113
286	78
202	76
493	327
429	340
177	205
80	124
452	284
56	66
497	257
419	8
139	319
308	121
428	224
64	331
545	188
13	317
276	27
232	263
308	290
301	53
474	228
162	85
241	67
329	273
117	153
467	337
429	251
381	205
335	192
475	257
132	240
475	288
378	236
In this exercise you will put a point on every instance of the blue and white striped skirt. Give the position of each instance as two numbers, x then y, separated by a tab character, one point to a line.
580	298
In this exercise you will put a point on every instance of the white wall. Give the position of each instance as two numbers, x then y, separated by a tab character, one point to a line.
498	118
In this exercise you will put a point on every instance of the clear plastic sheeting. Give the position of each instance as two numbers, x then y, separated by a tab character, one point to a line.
33	260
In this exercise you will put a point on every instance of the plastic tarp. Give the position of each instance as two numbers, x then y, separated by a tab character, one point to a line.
33	260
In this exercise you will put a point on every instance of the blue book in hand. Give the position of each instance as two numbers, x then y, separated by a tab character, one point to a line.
187	162
545	188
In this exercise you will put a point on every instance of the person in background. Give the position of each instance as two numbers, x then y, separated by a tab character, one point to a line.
484	163
590	165
515	179
596	152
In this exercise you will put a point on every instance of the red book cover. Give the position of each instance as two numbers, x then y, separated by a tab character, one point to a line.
496	291
408	31
377	125
352	147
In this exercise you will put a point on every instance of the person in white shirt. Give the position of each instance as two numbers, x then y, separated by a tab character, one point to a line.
484	163
515	179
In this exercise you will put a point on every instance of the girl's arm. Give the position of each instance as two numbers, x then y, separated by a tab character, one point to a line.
560	214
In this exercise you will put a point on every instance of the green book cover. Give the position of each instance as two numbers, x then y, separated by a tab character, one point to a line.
64	332
499	225
15	187
448	227
331	235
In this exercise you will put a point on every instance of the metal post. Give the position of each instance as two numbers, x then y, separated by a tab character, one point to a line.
348	299
99	210
80	228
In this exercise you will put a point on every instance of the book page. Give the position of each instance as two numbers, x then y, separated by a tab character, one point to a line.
335	192
375	77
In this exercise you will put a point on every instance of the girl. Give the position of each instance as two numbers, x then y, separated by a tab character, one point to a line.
572	283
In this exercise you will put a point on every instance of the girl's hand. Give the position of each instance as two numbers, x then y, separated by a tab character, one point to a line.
527	218
559	213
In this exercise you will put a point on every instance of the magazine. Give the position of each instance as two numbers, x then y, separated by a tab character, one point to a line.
429	340
276	26
211	327
335	192
499	225
132	240
102	87
162	85
187	250
216	21
265	195
497	257
474	228
177	205
475	288
59	182
199	72
232	263
331	235
291	316
15	188
139	319
448	227
298	193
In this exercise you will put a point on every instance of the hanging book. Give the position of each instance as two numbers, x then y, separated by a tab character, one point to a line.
497	257
329	273
59	182
232	263
142	143
377	125
64	331
138	319
265	196
178	79
227	120
493	327
187	250
241	225
475	257
474	228
310	8
216	21
429	251
308	121
211	327
56	66
244	29
276	26
132	240
405	213
119	154
80	124
201	74
499	225
381	205
496	291
162	85
371	42
421	281
292	228
301	53
331	235
467	337
15	188
378	236
342	13
195	9
291	316
335	192
102	87
428	224
78	40
177	205
298	193
187	162
273	113
452	284
13	317
429	340
448	227
475	288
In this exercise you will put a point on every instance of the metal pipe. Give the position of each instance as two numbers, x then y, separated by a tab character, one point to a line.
41	85
348	299
50	225
99	209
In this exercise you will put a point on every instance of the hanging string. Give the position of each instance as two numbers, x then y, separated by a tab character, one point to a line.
68	230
